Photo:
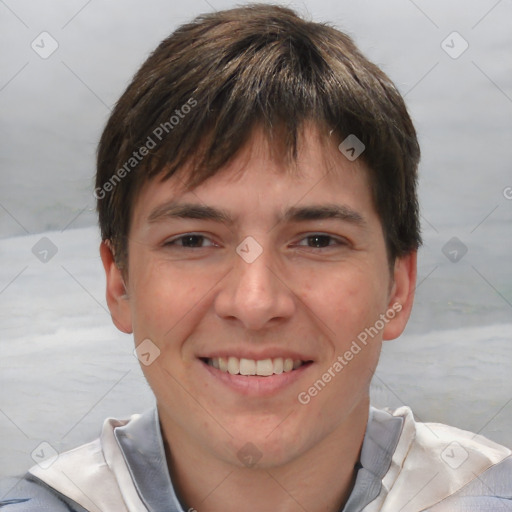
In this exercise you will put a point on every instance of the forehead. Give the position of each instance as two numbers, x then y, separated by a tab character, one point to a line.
259	177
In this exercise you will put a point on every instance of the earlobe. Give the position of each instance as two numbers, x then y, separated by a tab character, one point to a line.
402	295
116	293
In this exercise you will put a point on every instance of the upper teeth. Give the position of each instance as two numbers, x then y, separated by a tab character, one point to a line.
263	367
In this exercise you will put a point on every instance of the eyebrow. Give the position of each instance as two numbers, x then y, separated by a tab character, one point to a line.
175	210
324	212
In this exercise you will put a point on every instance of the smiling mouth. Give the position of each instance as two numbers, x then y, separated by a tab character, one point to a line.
260	368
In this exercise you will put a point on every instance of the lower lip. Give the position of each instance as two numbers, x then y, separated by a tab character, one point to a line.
254	385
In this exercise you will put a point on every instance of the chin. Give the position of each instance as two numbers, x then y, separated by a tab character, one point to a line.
261	453
262	447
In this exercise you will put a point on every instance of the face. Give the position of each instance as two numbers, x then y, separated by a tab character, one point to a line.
265	295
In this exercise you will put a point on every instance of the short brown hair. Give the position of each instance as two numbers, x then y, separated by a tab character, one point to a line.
200	94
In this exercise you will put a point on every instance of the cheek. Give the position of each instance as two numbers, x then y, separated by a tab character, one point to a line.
167	298
346	297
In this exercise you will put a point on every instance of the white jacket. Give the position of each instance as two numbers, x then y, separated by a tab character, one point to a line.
430	467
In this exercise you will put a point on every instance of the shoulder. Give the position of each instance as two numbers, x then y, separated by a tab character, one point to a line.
92	476
455	447
33	495
454	468
491	490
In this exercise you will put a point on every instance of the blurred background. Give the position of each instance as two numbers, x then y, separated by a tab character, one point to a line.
64	367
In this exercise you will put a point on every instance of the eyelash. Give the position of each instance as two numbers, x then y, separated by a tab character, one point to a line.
172	242
337	241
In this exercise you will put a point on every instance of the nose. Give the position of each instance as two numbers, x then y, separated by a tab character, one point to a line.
254	294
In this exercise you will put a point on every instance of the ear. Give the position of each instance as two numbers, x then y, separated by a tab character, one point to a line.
117	298
401	296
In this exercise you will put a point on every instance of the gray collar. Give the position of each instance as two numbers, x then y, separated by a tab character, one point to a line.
143	450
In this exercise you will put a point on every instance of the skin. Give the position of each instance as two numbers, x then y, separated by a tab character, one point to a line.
306	296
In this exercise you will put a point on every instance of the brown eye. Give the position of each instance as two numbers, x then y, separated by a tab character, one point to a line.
319	241
190	241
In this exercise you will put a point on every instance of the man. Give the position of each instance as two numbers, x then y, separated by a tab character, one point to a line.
256	191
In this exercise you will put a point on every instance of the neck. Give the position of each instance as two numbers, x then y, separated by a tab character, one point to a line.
209	484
